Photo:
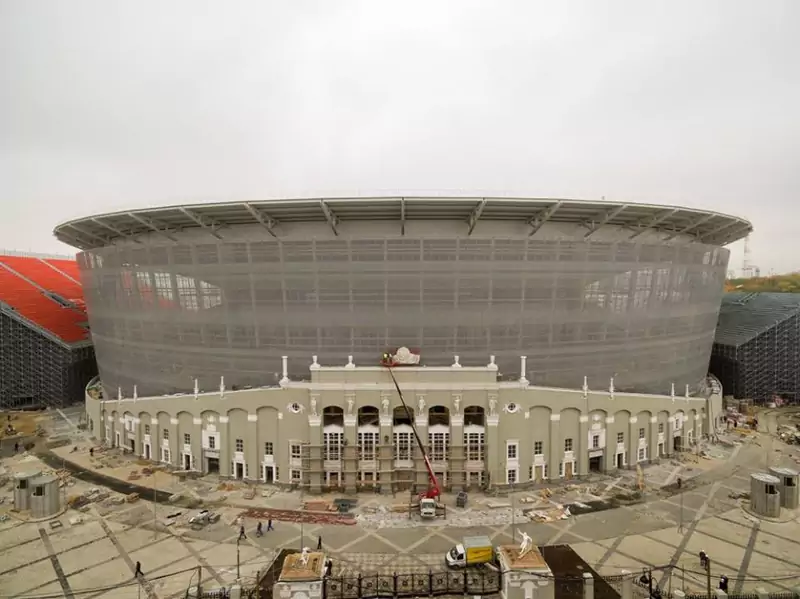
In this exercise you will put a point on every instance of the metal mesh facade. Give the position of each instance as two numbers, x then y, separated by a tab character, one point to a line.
36	371
757	346
165	312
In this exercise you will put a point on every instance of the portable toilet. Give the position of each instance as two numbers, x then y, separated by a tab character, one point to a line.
788	487
765	495
22	490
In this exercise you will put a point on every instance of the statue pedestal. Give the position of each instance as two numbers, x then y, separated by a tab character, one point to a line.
527	576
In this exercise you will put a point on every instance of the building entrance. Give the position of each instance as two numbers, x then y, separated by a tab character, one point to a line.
402	480
332	479
238	471
269	474
596	464
133	446
677	445
187	461
212	465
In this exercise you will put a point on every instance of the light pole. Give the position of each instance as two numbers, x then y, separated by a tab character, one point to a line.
301	518
155	527
238	574
513	516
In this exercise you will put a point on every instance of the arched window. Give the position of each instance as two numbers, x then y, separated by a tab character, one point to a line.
438	415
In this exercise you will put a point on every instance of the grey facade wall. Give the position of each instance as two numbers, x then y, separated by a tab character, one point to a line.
552	429
164	312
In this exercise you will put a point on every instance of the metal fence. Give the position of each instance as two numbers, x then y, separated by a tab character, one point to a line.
478	582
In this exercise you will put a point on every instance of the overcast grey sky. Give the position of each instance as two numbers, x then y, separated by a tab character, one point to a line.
107	105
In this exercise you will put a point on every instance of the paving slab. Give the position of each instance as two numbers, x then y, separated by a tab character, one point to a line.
21	581
79	558
646	550
22	555
592	553
616	562
17	533
69	537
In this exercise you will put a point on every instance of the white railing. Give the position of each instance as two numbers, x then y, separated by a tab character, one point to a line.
23	254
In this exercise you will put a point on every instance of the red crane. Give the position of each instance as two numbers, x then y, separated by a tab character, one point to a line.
434	490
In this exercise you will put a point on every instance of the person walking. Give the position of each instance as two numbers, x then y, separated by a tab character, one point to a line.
319	543
269	525
241	533
259	532
138	571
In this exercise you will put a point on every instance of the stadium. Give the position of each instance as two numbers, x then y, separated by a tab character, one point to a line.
253	313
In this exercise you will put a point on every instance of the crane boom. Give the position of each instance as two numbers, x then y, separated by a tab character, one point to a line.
434	491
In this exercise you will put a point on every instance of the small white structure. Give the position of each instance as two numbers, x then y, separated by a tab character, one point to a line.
301	576
788	486
525	573
37	494
765	495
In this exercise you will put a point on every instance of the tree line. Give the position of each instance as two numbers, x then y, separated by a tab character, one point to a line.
786	283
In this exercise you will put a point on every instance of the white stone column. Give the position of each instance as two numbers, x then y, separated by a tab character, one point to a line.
556	450
627	585
588	586
611	447
584	446
633	442
652	442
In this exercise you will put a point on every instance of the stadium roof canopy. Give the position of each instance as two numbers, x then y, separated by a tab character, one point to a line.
45	293
673	221
744	316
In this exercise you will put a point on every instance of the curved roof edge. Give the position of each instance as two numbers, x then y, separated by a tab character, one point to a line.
702	226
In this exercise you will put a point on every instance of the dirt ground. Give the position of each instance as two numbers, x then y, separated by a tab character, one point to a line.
24	423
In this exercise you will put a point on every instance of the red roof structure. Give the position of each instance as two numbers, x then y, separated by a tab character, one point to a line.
46	292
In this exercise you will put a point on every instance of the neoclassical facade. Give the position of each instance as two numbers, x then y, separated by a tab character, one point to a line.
346	428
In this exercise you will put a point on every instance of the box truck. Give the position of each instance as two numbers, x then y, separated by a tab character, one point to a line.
472	551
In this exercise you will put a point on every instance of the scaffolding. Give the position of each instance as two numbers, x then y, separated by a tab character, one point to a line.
316	471
36	370
757	346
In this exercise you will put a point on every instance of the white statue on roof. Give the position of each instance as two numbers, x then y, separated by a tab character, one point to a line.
304	556
526	544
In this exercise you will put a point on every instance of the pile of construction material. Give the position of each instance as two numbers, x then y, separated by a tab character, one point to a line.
84	500
558	512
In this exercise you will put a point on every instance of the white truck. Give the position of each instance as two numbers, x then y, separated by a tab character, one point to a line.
472	551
